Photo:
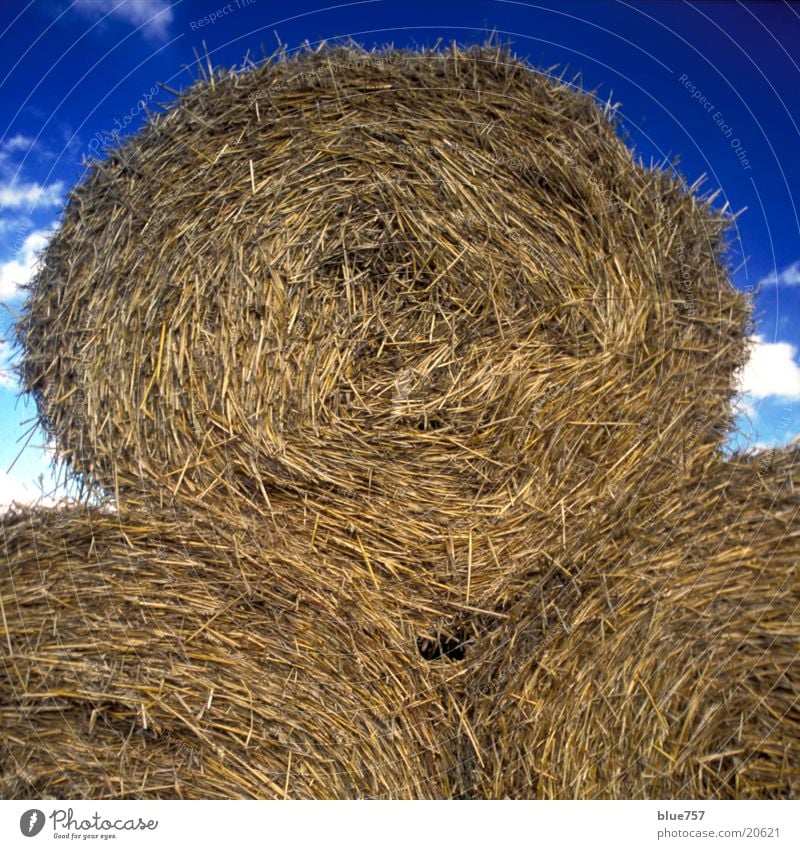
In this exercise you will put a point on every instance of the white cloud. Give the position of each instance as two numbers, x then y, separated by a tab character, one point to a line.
789	276
19	270
33	194
153	16
15	144
13	489
8	379
744	406
771	371
21	225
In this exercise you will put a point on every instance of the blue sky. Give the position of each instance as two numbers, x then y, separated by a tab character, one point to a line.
717	84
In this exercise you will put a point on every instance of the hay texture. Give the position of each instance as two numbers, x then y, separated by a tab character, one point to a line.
159	659
672	670
143	658
410	384
398	282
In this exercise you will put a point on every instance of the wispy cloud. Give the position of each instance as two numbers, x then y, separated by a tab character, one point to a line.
153	16
12	489
15	144
771	371
32	195
19	269
8	379
11	150
789	276
18	225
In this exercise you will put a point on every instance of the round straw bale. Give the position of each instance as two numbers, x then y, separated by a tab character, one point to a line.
673	673
425	280
143	657
440	362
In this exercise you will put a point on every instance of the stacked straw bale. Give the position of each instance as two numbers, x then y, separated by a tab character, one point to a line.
670	671
144	658
153	658
409	384
407	279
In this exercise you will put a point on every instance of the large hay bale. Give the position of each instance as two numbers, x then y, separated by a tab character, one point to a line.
152	657
664	665
433	374
670	671
392	282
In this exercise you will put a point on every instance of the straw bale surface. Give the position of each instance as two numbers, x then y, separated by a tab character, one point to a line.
159	659
143	658
409	382
407	283
671	672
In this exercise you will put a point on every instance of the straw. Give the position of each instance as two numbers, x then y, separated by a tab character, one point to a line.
405	386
